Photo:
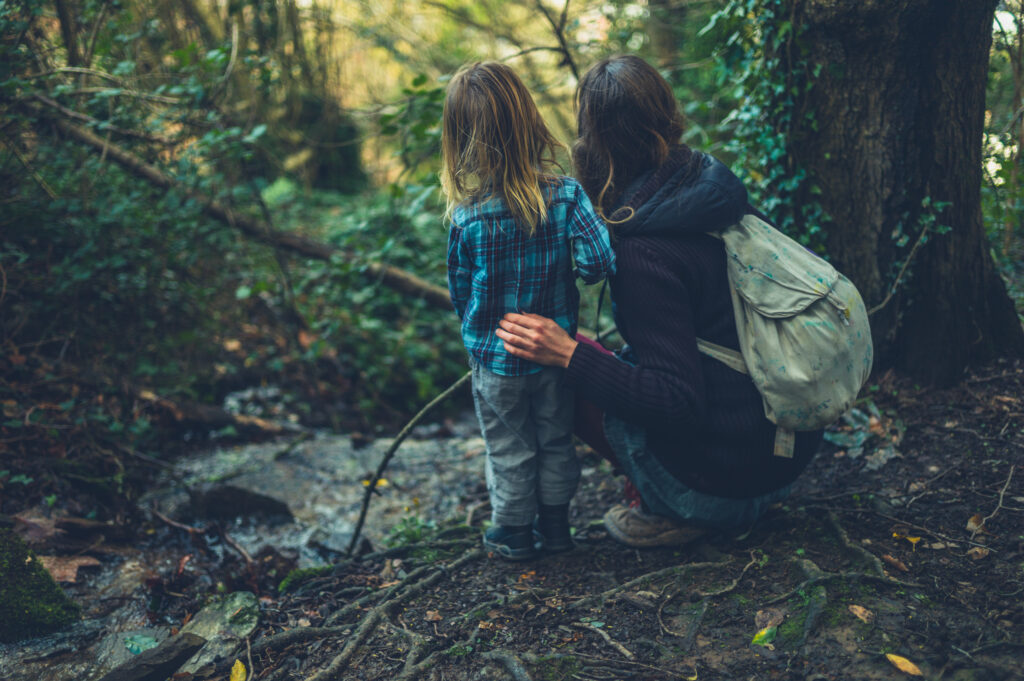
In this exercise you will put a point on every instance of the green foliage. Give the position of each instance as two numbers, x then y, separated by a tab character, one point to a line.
296	578
31	603
768	68
412	528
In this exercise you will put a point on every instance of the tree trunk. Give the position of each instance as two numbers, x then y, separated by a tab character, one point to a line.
899	106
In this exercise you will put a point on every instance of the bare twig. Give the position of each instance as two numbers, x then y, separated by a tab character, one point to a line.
604	634
371	486
735	582
31	171
642	580
992	515
235	545
175	523
75	115
374	617
559	28
903	270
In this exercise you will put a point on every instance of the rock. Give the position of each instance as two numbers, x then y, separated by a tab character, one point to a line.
156	664
121	647
228	502
31	603
224	624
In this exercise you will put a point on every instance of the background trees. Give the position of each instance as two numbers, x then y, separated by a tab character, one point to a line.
152	151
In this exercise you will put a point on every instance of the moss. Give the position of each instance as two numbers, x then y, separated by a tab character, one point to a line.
297	577
31	603
558	668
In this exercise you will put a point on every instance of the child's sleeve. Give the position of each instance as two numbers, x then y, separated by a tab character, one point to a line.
459	270
591	248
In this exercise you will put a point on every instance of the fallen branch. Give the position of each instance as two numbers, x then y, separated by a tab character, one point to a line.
642	580
604	634
373	618
390	276
371	486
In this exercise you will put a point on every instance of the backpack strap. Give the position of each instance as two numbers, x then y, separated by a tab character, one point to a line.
785	439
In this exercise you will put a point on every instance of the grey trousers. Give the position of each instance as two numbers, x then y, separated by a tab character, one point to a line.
527	424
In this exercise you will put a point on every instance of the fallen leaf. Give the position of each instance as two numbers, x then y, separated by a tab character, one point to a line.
306	339
863	614
238	671
976	524
765	638
977	552
232	345
432	616
304	622
895	562
65	568
904	665
35	529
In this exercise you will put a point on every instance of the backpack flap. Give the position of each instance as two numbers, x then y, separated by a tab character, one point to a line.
774	274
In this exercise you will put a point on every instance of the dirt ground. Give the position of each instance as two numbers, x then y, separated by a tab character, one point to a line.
911	553
903	544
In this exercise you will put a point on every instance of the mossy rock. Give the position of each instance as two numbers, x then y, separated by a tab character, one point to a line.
31	603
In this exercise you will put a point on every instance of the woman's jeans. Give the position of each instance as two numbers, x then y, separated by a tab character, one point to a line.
526	423
625	445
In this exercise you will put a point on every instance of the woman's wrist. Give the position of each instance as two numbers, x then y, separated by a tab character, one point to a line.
568	352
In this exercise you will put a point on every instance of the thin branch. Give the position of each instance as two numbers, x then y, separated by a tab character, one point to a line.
393	277
371	486
604	634
903	270
78	116
992	515
559	28
31	171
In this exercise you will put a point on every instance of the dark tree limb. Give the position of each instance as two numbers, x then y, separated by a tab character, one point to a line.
392	277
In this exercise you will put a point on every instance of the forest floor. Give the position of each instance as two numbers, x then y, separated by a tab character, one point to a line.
900	552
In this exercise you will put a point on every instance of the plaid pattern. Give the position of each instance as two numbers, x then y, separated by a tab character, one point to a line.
495	268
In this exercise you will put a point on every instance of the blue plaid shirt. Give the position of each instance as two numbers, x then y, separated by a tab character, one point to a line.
495	268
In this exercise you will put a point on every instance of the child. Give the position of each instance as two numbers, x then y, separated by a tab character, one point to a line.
515	229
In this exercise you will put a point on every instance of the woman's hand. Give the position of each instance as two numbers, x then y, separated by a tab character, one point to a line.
536	338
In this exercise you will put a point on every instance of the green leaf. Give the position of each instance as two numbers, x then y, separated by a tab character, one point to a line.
765	636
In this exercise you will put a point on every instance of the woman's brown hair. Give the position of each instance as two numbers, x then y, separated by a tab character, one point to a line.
628	123
495	143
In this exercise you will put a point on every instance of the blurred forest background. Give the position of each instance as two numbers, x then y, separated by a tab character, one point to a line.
222	217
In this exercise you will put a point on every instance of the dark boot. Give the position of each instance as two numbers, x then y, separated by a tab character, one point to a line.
511	542
552	525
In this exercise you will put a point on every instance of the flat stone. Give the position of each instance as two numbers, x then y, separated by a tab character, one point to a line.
231	501
224	624
156	664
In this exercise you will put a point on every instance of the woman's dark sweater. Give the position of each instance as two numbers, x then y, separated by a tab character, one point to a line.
705	422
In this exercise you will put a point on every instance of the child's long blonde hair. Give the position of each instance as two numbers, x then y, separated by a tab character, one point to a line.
494	143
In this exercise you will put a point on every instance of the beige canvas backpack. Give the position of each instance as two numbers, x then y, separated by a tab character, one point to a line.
803	330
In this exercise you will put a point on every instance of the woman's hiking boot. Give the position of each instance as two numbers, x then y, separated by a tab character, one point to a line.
511	542
637	528
552	527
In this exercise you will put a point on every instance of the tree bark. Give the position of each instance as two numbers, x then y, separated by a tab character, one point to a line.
899	106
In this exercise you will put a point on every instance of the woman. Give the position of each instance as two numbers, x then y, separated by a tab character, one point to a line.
688	431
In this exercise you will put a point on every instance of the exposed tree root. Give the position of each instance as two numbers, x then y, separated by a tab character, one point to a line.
405	591
512	663
608	639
